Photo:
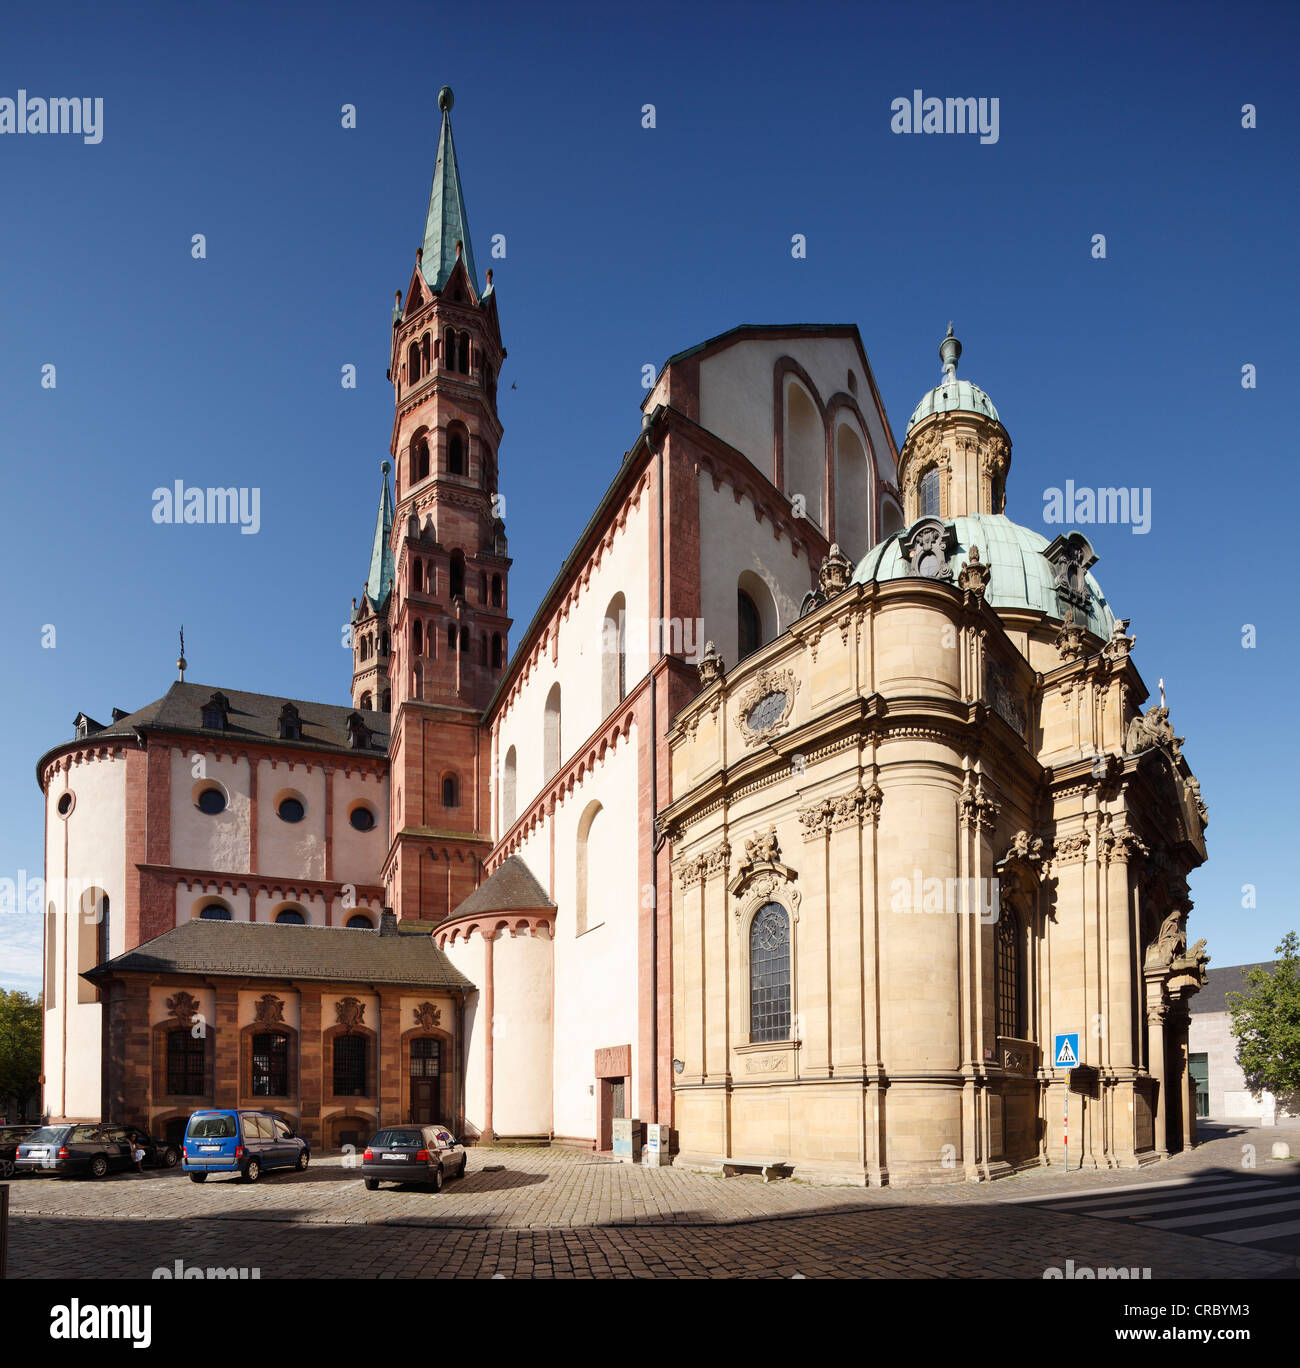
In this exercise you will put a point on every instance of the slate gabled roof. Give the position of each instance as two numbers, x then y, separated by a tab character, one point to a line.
273	950
250	717
509	888
1219	983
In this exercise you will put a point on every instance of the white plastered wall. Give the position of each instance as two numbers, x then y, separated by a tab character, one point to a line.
623	568
596	973
95	836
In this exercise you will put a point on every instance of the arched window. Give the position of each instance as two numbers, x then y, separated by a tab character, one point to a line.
290	916
364	702
497	659
185	1061
451	636
450	791
551	733
385	702
412	364
464	640
215	911
350	1065
583	918
420	460
417	576
482	650
359	922
1010	1017
496	591
449	348
508	790
102	952
891	520
482	587
270	1065
804	451
417	638
749	625
769	974
458	574
455	454
463	363
852	493
487	467
383	643
424	354
613	655
928	494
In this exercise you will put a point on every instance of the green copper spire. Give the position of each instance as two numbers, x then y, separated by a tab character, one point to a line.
447	223
379	583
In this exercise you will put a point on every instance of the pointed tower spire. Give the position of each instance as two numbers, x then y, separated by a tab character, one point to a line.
380	580
446	230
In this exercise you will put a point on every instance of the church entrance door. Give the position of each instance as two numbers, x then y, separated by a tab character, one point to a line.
423	1101
426	1074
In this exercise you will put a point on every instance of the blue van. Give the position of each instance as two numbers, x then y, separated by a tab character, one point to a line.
246	1142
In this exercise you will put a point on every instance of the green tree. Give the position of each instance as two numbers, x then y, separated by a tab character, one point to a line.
20	1046
1266	1022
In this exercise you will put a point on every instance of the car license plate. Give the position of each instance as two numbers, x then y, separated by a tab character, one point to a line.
37	1153
210	1149
401	1158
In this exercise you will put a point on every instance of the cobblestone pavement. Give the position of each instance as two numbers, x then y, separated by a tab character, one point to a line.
561	1213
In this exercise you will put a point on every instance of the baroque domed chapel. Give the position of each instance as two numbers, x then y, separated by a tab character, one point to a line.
817	796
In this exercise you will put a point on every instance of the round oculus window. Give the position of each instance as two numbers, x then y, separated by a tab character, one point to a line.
767	711
291	810
362	818
212	801
64	804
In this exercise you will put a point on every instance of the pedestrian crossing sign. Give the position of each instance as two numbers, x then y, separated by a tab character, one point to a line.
1065	1050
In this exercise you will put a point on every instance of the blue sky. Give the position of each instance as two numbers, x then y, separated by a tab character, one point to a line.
624	245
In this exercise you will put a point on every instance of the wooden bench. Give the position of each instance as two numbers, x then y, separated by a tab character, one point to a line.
767	1167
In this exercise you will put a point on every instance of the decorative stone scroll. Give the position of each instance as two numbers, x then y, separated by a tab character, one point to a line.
702	866
350	1012
927	546
1120	646
268	1010
764	708
427	1016
858	805
976	809
183	1007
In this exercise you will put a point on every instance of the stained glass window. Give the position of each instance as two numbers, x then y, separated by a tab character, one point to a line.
769	974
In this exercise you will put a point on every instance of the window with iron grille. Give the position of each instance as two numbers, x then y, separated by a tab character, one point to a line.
1008	974
184	1064
270	1066
769	974
349	1066
426	1057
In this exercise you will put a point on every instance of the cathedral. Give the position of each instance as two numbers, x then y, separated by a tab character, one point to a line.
817	796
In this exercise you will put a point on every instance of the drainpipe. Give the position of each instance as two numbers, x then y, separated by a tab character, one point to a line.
647	424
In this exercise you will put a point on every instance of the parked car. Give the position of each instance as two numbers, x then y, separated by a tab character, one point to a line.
413	1154
244	1142
10	1137
77	1147
157	1153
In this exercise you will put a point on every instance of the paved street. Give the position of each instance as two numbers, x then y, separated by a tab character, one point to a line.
558	1213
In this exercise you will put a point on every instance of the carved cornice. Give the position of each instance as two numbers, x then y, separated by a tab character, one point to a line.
703	866
834	811
977	810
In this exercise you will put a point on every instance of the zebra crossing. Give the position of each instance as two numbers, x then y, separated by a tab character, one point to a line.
1261	1211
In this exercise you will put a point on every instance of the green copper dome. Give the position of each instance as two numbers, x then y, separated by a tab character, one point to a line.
1022	577
953	396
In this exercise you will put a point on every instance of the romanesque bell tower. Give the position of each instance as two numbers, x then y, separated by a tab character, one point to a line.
447	616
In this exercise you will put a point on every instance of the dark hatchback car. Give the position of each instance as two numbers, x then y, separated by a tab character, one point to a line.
89	1147
413	1154
10	1138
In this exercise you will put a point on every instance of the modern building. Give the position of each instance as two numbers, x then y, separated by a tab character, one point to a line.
814	799
1222	1093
